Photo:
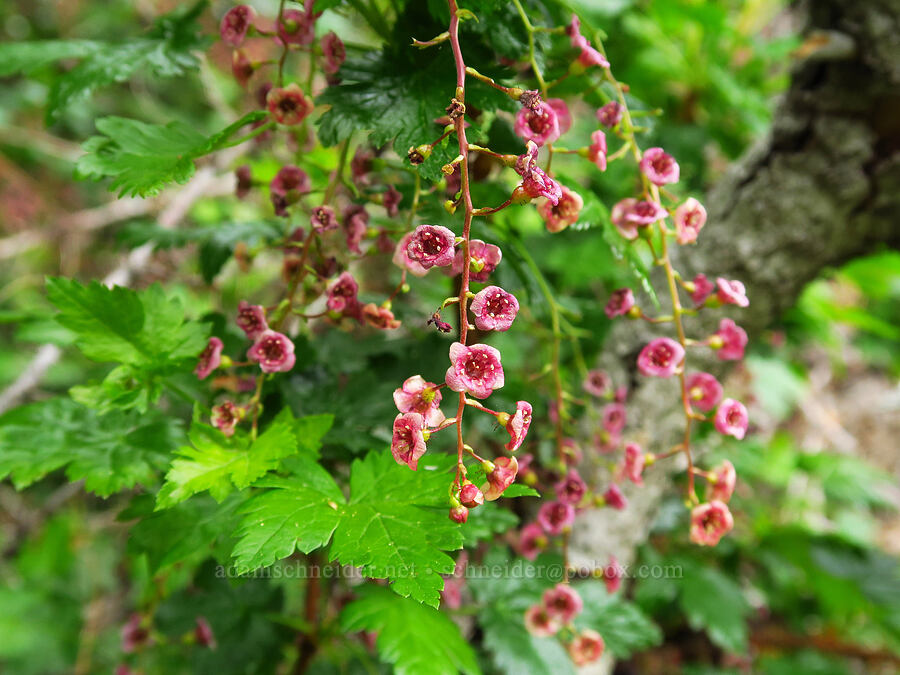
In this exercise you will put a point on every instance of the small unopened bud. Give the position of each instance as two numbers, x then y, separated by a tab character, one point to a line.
715	341
520	196
447	169
634	312
459	514
450	206
515	93
405	288
471	496
225	361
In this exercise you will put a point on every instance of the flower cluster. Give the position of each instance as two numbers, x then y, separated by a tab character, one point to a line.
557	611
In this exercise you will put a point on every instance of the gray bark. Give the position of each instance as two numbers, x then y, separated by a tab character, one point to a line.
821	188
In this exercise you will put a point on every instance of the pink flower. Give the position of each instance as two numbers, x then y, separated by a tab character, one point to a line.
503	475
621	300
210	358
731	292
470	496
431	246
539	124
606	442
273	351
571	489
242	68
296	27
659	166
614	417
518	425
226	416
563	602
323	219
379	317
564	213
134	635
235	24
710	522
587	647
704	391
660	357
401	258
391	200
610	114
726	477
733	339
703	288
620	394
571	453
536	183
356	224
459	514
288	105
342	295
731	418
645	213
612	575
451	594
539	622
333	51
417	395
555	517
562	114
625	227
588	56
634	463
532	540
690	217
361	165
287	186
494	308
597	383
614	497
475	370
597	149
483	259
408	441
203	633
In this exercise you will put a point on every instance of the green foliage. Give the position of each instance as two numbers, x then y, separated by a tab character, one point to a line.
110	453
394	525
143	158
414	638
166	51
624	627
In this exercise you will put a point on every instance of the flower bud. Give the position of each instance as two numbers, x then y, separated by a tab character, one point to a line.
459	514
470	496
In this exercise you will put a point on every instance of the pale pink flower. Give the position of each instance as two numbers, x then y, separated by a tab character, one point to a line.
571	489
659	166
614	497
518	425
597	149
726	477
733	339
634	463
606	442
563	602
401	258
323	219
703	288
532	540
431	246
470	496
710	522
610	114
614	417
503	475
621	300
226	416
210	358
475	370
334	52
536	183
391	201
556	517
494	309
572	454
660	357
731	292
242	68
296	27
563	116
356	224
287	187
612	575
342	295
288	105
235	24
417	395
731	418
620	394
274	352
622	208
483	259
361	165
690	217
539	622
379	317
704	391
565	212
459	514
588	56
597	383
644	213
408	441
539	124
587	647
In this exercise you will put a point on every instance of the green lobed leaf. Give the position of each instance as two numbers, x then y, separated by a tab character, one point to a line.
138	328
143	158
110	453
713	602
414	638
